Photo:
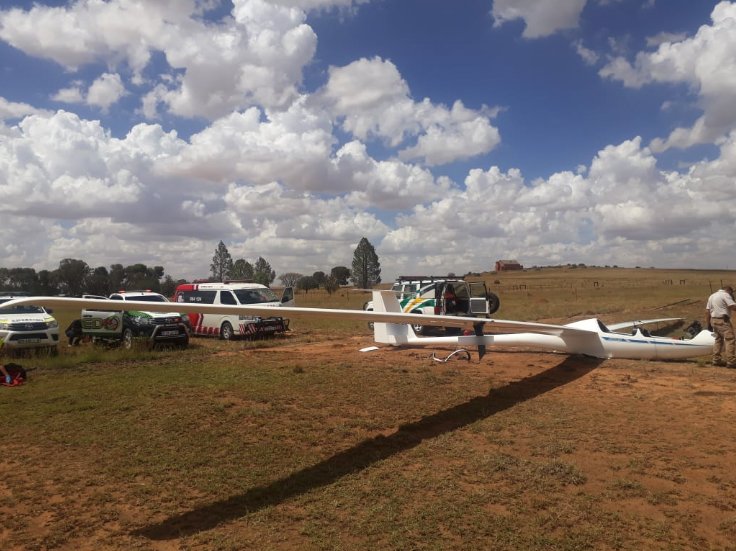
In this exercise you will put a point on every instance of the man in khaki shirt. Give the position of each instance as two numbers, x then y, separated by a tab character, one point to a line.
718	319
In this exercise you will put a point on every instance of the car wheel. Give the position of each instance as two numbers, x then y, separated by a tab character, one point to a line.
493	302
226	332
127	339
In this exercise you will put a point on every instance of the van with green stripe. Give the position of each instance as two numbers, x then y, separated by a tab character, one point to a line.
440	295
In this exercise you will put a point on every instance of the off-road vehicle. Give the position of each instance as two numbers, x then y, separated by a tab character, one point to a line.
442	295
110	326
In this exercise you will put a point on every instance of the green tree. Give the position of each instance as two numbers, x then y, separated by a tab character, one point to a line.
71	276
22	279
242	269
140	276
98	283
117	277
341	274
262	272
46	285
306	283
319	278
168	286
366	267
222	263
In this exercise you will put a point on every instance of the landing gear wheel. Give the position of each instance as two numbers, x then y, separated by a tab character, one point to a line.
365	309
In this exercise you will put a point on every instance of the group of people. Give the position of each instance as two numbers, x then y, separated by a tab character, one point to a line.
718	311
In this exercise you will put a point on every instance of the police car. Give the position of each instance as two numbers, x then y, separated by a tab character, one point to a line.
27	327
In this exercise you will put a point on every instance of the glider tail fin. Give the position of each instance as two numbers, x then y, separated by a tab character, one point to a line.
390	333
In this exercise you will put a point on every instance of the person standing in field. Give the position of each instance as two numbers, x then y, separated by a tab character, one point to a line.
718	319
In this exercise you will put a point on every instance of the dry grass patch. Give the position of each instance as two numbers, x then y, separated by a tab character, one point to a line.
304	443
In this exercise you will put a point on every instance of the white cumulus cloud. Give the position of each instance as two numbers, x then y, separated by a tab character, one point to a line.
705	63
253	57
372	100
540	18
105	91
16	110
624	211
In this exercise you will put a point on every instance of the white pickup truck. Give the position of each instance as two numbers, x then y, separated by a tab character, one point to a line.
27	327
122	327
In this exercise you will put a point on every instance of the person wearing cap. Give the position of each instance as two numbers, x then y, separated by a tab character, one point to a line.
718	319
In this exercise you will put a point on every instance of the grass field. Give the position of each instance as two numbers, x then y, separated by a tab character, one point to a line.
304	443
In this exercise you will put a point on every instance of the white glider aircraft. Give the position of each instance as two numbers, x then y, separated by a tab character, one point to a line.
392	326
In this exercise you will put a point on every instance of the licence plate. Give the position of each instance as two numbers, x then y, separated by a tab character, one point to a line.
29	341
171	333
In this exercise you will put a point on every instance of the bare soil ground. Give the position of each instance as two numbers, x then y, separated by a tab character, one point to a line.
520	450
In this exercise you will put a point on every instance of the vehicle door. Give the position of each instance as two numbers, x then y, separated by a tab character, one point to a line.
462	298
478	299
228	299
418	300
201	324
287	298
105	323
440	304
404	294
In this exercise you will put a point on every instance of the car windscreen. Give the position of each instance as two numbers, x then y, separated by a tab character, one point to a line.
24	309
147	298
255	296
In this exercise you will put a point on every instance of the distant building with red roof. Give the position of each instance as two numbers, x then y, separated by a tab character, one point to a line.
508	265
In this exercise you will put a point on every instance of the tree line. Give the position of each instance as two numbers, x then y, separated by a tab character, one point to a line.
75	277
366	271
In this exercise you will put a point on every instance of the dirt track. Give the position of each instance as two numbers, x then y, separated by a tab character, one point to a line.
653	444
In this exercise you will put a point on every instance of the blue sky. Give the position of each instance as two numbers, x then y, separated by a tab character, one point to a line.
448	133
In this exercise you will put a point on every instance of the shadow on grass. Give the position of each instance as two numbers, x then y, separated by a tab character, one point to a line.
369	451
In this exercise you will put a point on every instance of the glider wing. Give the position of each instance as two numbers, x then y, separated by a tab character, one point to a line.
396	317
